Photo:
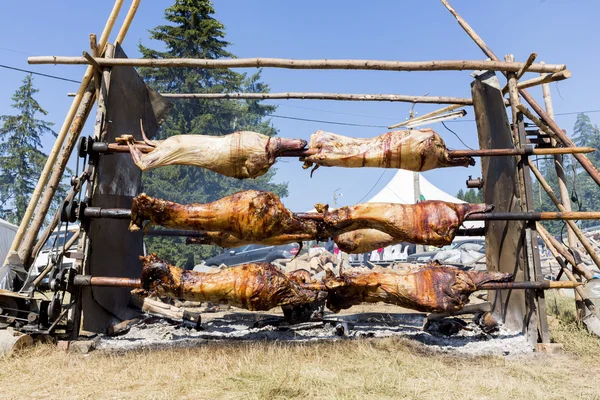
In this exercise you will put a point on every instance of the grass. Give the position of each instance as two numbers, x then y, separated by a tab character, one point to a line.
372	368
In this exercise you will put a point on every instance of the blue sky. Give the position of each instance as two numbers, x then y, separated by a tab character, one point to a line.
559	31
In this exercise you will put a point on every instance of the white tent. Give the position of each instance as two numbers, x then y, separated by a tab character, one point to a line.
401	189
7	234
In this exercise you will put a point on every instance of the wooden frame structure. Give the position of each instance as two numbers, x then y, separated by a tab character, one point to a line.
493	128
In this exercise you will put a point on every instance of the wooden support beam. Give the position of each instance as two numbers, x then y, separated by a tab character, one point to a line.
378	65
323	96
540	80
428	115
576	231
545	236
127	22
54	152
525	67
92	61
538	122
561	248
560	135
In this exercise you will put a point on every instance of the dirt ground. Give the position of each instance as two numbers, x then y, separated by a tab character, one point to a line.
358	368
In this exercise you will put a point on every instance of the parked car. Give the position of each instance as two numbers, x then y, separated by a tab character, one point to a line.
55	242
472	244
253	253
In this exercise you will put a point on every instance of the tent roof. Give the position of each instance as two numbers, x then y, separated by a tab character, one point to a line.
7	225
401	189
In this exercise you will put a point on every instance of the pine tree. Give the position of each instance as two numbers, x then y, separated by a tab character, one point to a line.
194	33
585	190
21	158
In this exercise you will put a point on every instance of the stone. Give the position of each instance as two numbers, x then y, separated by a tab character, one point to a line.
82	346
550	348
315	265
63	345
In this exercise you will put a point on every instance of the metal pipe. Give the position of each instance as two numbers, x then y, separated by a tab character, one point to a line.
543	285
107	281
113	213
100	147
533	216
124	213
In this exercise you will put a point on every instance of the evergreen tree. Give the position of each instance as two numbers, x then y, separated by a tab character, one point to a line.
585	189
194	33
21	160
470	196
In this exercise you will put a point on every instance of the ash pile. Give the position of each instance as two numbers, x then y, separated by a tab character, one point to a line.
187	324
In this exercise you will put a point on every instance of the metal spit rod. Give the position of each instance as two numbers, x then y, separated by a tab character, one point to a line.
108	281
100	147
124	213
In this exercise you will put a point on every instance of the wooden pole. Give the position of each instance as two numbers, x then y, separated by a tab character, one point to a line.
540	80
127	22
538	122
62	134
560	248
525	67
555	77
561	136
575	229
556	254
425	116
324	96
58	170
559	167
379	65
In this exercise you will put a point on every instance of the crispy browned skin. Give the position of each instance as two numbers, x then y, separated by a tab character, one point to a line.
414	150
227	240
254	217
429	222
430	288
250	216
255	287
364	240
240	154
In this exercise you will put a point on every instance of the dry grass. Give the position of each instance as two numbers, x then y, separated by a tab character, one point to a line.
383	368
564	328
387	368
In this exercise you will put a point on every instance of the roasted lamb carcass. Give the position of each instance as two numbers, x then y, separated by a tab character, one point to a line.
414	150
430	288
239	155
255	287
246	217
428	222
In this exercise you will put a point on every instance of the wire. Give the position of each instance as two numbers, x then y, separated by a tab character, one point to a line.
326	122
458	137
370	190
15	51
40	74
338	112
286	105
